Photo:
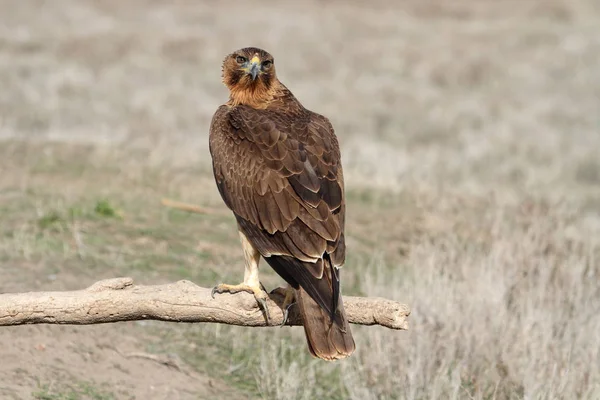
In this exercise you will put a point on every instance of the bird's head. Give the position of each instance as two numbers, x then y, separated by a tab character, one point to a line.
249	74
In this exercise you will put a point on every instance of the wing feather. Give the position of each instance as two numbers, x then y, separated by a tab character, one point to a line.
306	239
289	207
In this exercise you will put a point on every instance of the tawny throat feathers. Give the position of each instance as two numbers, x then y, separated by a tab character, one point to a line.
277	167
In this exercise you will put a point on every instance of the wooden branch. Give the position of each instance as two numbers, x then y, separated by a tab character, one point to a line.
118	299
193	208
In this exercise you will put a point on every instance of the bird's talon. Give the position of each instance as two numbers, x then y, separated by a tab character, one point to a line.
286	314
263	305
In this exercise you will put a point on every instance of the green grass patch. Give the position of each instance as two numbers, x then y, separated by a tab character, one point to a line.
104	208
50	220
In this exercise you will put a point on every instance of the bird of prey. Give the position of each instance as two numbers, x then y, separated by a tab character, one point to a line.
277	167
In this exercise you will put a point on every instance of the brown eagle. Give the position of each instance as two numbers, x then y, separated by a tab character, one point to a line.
277	166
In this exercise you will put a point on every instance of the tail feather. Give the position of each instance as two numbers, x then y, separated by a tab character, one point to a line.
327	339
325	323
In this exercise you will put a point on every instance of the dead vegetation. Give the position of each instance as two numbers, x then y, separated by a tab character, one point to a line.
469	133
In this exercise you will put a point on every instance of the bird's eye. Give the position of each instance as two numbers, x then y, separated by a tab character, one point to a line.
267	64
241	59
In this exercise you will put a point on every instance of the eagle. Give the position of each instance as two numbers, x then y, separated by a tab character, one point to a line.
277	166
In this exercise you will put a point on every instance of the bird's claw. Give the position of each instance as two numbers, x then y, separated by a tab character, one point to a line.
286	313
265	308
289	295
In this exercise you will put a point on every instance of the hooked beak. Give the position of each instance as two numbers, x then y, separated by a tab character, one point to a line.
254	67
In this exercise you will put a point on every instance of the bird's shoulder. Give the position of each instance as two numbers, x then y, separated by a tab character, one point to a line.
281	123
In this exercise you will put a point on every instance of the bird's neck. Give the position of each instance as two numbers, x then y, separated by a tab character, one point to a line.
258	96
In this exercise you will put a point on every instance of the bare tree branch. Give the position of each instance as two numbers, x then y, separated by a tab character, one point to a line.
193	208
118	299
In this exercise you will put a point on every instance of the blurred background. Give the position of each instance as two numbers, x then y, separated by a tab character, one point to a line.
470	135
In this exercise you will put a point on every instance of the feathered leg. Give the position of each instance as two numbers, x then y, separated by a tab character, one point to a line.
251	282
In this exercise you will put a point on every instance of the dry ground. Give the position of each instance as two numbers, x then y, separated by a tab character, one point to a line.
470	133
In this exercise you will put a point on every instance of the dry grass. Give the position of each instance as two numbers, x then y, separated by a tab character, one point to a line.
470	135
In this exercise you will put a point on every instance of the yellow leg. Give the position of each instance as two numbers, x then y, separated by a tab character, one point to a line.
251	282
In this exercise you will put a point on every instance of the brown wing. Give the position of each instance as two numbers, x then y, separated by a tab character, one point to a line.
282	178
